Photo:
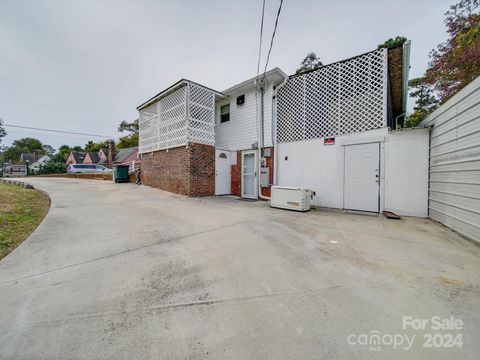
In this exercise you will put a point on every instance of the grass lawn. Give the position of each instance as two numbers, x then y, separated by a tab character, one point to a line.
21	210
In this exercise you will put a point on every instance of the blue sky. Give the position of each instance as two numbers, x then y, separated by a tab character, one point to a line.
85	66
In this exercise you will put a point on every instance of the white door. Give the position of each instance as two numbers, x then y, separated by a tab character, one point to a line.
222	173
362	177
249	175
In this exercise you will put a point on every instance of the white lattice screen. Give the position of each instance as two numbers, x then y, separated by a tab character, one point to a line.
201	115
186	115
337	99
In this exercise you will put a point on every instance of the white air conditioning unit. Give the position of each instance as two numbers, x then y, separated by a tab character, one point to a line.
291	198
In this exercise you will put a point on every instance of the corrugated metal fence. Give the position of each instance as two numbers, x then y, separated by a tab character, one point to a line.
454	186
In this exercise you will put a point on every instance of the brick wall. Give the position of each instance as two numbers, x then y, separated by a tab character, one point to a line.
183	170
237	175
202	170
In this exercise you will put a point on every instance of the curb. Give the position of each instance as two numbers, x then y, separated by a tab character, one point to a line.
18	183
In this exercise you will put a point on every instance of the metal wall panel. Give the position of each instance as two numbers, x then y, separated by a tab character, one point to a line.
454	184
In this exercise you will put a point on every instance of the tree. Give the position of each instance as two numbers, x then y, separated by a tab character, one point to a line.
132	127
3	132
310	62
64	150
392	42
130	140
48	149
24	145
456	62
425	104
94	147
56	164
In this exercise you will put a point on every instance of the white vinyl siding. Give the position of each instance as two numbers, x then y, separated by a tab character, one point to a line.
454	186
241	131
313	165
406	172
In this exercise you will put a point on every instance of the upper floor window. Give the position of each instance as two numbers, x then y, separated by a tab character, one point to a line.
225	113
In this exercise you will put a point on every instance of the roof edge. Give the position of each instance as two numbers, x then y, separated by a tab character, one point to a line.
172	88
337	62
246	82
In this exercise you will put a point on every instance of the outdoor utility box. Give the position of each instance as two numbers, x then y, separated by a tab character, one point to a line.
120	173
290	198
264	176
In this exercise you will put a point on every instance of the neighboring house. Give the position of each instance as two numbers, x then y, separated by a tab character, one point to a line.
328	129
103	156
29	157
40	162
91	157
128	156
75	157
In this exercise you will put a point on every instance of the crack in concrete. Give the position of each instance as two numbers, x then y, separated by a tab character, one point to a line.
174	306
135	249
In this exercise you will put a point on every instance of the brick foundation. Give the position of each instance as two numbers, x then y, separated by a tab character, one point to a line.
237	174
183	170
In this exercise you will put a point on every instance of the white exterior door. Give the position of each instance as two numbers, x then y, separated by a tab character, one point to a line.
222	173
249	175
362	177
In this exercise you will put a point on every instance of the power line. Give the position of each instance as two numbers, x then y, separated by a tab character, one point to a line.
57	131
273	36
261	36
258	66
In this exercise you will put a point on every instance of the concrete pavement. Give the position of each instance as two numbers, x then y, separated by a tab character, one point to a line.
118	271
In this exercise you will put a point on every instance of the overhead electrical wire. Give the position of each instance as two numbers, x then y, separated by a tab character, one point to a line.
273	36
258	65
261	36
57	131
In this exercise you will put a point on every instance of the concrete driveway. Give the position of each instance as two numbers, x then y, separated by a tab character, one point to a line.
118	271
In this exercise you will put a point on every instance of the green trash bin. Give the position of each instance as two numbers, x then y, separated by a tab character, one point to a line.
120	173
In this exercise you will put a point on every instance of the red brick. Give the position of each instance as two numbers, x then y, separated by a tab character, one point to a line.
183	170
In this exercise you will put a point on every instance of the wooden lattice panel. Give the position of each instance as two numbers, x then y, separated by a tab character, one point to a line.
338	99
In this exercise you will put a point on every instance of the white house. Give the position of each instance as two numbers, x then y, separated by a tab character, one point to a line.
331	130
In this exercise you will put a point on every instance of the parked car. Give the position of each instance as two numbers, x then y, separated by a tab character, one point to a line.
87	168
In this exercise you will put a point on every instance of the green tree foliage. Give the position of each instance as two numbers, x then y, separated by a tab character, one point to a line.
392	42
24	145
94	147
56	164
64	150
3	132
132	127
130	140
310	62
456	62
453	64
425	103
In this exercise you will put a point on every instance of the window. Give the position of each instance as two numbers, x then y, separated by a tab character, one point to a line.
222	156
225	113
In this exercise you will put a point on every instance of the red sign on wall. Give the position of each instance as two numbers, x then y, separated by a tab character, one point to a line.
329	141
